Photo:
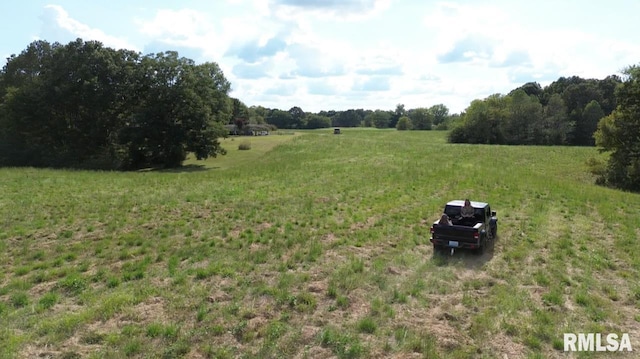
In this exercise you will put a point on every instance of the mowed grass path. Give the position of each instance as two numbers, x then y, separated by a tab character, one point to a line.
316	248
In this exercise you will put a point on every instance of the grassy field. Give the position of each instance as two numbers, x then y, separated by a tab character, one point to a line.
316	246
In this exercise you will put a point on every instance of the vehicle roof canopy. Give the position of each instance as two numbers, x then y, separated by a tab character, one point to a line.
474	204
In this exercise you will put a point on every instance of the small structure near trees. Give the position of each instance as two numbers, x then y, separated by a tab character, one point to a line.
248	130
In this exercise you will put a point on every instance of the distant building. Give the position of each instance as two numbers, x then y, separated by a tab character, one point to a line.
248	130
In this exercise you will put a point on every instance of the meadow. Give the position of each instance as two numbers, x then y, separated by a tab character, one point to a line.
316	245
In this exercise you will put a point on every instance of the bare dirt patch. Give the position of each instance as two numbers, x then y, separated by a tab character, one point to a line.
150	311
505	347
370	222
315	352
329	238
41	288
263	226
218	296
318	287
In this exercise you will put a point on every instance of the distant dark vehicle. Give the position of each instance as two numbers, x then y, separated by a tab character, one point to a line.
336	131
472	233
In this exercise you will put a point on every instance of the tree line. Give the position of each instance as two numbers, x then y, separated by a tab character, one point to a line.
570	111
434	117
84	105
566	112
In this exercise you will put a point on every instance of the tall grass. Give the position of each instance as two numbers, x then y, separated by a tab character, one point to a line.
316	245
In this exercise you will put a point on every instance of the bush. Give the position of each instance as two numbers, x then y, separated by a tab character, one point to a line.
458	135
72	284
246	145
19	299
598	168
404	123
367	325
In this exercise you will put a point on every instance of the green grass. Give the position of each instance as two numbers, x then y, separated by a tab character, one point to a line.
314	245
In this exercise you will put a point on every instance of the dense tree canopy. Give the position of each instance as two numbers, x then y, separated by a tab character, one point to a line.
395	116
619	134
380	119
421	118
564	113
280	119
349	118
440	113
85	105
317	121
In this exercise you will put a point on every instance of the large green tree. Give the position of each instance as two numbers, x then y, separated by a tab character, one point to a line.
180	107
298	117
555	127
280	118
348	118
440	113
619	134
64	109
257	114
480	122
380	118
421	118
531	88
589	118
85	105
317	121
395	115
525	111
404	123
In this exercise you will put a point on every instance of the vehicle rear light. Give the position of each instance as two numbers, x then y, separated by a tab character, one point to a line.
431	230
476	235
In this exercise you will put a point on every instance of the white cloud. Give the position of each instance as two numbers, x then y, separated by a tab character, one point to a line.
184	23
542	49
184	28
56	18
341	10
315	53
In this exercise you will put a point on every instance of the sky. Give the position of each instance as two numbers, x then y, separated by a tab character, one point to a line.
350	54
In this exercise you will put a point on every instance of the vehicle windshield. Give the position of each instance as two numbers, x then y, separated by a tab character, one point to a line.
454	211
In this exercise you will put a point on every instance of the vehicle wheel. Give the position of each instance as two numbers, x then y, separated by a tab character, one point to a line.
436	248
495	232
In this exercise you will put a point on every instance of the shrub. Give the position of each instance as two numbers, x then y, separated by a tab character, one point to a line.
72	284
598	168
367	325
19	299
48	300
246	145
404	123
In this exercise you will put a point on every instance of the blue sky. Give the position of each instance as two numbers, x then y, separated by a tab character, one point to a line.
341	54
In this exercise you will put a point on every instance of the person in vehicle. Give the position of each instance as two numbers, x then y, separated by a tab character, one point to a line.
444	220
467	210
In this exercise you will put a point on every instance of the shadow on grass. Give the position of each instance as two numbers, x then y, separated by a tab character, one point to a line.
185	169
471	259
